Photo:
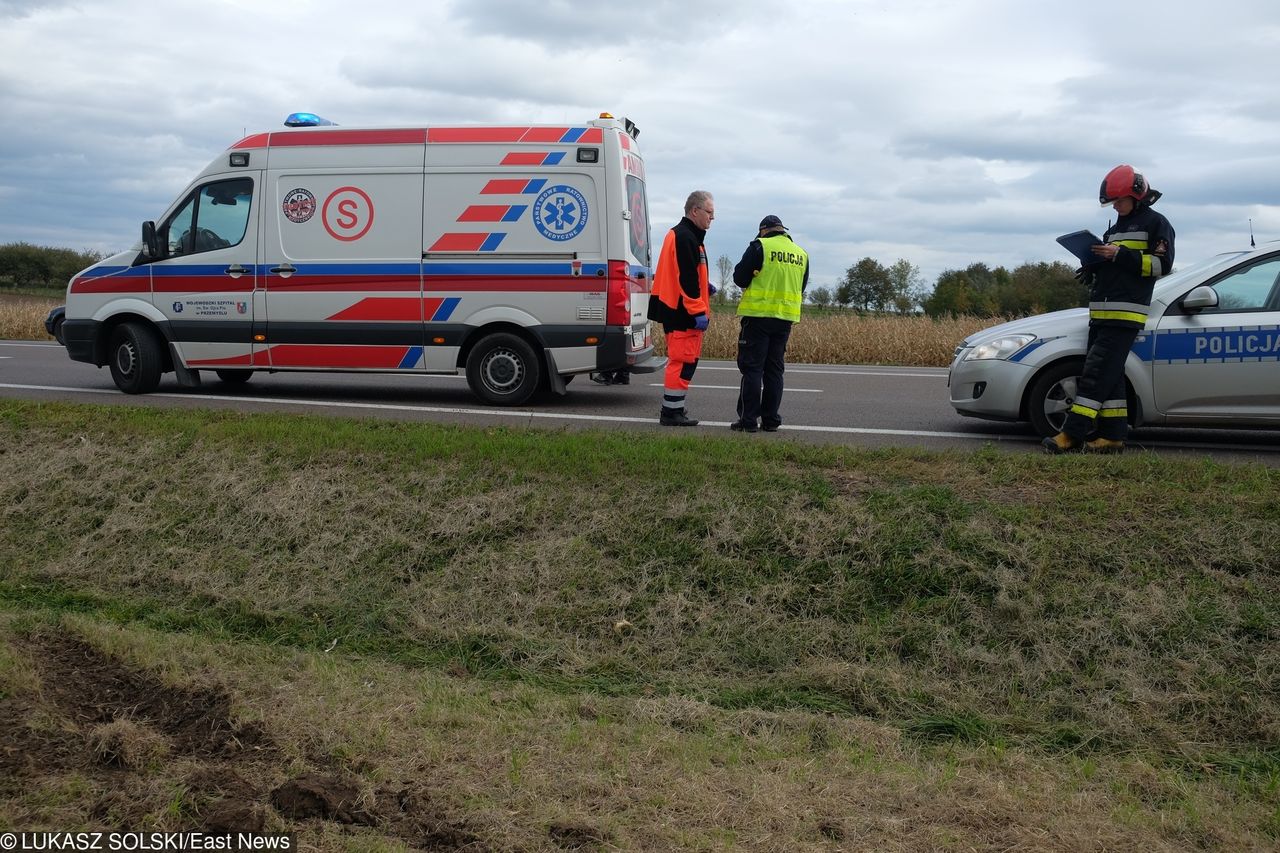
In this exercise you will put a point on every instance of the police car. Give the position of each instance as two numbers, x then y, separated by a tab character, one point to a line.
1208	356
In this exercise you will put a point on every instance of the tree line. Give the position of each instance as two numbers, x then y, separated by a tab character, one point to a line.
869	286
47	267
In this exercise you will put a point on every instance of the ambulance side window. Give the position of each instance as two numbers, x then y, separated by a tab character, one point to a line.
214	217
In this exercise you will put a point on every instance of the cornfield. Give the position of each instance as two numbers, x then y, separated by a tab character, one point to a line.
849	338
820	337
22	317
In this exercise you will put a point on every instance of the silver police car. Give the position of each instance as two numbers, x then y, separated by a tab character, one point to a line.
1208	357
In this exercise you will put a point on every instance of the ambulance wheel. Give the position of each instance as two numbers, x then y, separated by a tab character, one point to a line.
1051	397
136	358
234	376
503	370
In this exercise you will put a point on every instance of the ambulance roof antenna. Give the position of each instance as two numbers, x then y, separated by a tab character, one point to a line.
1252	245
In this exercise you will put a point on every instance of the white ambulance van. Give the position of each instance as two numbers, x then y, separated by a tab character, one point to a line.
518	254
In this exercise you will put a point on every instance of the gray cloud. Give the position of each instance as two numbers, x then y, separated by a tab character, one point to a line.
940	131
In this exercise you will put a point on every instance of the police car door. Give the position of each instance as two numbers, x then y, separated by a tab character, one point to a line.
1221	362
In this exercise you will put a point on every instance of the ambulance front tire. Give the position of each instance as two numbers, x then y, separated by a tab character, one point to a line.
503	370
234	376
136	358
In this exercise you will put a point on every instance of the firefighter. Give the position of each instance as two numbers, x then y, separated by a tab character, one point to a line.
681	303
1134	252
773	275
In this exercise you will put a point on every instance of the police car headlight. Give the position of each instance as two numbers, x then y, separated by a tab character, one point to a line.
999	348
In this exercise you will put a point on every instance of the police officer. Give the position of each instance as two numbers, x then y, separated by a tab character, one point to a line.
773	275
680	302
1134	252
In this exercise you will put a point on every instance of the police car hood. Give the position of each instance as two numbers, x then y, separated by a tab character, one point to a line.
1051	325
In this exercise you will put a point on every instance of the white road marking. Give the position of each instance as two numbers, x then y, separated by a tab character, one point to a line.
837	372
736	388
32	344
504	413
511	413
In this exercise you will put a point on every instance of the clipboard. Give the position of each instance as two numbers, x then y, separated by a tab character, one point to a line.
1080	243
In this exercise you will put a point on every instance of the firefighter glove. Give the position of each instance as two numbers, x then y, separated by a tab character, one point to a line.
700	322
1085	276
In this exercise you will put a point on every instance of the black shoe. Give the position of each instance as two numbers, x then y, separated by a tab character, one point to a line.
770	427
743	426
676	417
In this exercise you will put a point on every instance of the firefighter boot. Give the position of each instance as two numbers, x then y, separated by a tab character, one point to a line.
1104	445
1060	443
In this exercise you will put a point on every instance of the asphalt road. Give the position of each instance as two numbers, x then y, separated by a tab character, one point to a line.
859	405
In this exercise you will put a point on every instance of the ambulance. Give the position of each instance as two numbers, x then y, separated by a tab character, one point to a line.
519	255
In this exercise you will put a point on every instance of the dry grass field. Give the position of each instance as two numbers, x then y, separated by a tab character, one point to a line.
22	317
820	338
838	337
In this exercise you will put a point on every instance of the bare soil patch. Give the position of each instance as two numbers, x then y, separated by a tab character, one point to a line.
130	734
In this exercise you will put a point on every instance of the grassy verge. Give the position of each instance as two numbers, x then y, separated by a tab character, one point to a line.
1094	633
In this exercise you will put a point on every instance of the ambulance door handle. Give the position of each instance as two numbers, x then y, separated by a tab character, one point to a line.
284	270
235	270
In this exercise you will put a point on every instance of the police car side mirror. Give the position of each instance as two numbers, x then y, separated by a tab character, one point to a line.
1200	298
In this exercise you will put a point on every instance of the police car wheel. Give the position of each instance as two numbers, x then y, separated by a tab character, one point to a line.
234	376
503	370
136	358
1051	396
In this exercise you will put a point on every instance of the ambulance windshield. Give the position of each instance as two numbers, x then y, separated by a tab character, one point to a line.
638	204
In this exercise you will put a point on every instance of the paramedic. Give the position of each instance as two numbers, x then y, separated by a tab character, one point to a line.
773	275
680	302
1134	252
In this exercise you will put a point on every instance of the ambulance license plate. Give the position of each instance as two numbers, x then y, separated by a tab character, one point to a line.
637	338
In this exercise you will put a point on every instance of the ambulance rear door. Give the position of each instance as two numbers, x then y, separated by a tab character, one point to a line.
630	245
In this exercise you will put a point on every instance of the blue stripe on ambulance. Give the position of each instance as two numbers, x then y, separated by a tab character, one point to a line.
411	358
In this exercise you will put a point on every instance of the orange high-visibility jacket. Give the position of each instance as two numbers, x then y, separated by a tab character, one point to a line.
680	280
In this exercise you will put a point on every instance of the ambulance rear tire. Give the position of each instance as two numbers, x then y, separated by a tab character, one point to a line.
136	358
234	376
503	370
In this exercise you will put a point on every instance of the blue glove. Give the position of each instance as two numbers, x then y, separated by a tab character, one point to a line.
711	290
700	322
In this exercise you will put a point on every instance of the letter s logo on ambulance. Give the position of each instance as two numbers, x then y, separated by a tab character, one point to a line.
347	214
560	213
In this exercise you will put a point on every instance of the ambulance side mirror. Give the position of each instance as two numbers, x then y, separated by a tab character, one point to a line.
150	241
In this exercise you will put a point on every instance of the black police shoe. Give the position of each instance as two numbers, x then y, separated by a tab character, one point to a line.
743	426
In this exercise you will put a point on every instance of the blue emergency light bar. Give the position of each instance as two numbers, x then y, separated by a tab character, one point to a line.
307	120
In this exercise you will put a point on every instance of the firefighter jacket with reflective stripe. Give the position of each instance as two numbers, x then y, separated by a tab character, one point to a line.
680	280
774	287
1121	292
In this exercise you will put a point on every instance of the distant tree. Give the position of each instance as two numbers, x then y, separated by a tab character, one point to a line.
25	265
906	286
867	286
821	297
727	289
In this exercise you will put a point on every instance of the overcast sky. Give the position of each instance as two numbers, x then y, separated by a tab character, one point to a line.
942	132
